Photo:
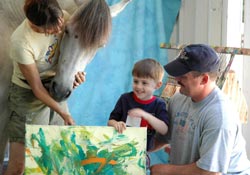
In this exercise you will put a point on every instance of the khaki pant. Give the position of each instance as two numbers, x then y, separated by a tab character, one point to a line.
27	109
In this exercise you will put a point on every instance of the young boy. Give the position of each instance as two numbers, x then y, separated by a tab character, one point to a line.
141	103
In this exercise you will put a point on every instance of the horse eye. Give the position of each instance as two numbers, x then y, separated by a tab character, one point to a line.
76	36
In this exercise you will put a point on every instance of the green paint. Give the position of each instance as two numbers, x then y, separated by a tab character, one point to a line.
64	155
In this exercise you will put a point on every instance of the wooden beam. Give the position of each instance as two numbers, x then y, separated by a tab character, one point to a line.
218	49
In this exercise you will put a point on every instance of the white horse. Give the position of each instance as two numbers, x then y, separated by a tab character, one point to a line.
78	47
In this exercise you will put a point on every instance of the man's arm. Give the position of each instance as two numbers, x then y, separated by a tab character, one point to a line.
168	169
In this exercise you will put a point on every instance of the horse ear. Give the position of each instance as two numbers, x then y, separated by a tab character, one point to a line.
117	8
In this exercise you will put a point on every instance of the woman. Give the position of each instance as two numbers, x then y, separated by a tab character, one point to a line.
34	51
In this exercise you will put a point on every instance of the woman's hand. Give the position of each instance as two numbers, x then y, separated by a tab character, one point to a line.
68	120
79	79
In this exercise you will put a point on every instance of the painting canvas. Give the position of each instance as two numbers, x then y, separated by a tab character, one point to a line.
84	150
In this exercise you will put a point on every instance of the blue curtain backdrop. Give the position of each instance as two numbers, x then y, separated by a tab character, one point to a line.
136	34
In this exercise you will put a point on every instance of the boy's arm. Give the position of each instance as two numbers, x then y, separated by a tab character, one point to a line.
115	118
156	123
112	122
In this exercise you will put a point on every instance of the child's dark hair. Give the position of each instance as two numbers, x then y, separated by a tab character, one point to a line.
148	68
43	13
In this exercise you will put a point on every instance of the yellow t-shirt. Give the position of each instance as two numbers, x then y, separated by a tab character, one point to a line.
28	46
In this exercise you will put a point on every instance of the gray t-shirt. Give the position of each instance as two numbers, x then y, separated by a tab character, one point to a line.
208	133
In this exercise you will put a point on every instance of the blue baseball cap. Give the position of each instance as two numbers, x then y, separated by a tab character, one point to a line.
194	57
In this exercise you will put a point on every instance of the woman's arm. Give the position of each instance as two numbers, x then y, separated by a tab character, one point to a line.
31	74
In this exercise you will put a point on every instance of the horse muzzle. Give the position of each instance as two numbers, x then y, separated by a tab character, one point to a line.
58	92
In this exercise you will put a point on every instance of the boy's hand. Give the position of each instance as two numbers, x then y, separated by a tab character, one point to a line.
120	126
137	112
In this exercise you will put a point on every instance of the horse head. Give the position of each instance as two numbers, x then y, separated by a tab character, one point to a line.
85	32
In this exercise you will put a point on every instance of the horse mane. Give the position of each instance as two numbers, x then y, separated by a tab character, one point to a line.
92	23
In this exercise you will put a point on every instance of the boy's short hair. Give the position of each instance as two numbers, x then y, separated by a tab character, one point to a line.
148	68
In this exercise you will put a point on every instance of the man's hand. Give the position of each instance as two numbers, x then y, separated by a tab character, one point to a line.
79	79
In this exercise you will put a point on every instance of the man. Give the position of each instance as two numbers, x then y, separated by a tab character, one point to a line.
205	129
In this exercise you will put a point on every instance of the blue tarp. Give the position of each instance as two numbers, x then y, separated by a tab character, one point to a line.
136	34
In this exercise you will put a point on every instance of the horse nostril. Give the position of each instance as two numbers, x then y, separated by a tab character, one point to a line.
59	93
67	94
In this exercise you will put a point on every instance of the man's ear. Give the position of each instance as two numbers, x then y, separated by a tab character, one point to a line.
205	78
158	85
